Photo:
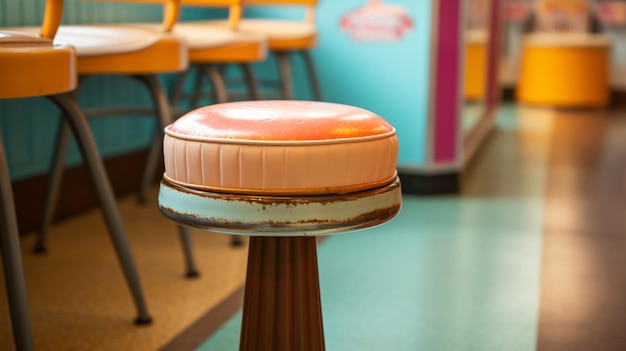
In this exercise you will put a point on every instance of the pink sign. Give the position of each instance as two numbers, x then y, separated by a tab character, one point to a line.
376	21
516	10
612	12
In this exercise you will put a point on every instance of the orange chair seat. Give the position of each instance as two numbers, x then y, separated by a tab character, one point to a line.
282	35
121	48
38	66
210	42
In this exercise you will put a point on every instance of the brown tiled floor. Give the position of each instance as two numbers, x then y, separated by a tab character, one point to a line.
583	300
79	300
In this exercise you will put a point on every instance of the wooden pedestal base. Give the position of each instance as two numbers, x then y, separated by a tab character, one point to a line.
282	308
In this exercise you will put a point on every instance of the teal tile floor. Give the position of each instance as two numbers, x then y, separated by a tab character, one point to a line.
449	272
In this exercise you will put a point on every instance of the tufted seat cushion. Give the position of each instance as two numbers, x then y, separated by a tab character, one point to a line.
280	148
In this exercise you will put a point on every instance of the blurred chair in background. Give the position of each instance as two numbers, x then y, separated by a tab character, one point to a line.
31	66
213	46
287	37
140	52
131	50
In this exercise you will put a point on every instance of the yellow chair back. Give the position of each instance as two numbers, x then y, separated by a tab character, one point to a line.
171	10
235	8
309	4
52	18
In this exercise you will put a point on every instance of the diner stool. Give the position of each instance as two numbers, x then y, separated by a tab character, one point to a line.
476	41
569	70
282	173
286	38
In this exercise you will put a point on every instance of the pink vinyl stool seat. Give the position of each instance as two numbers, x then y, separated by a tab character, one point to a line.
281	172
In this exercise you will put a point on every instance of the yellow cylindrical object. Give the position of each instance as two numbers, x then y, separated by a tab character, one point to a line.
475	61
565	70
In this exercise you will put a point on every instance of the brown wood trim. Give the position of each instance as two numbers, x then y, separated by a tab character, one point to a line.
208	324
77	191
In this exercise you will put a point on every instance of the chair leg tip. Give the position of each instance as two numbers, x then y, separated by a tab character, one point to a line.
193	274
236	242
40	250
143	320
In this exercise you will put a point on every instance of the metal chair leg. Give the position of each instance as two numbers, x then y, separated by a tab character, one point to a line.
251	82
77	121
236	241
185	238
315	85
12	262
54	187
179	85
286	76
164	117
219	85
197	89
154	156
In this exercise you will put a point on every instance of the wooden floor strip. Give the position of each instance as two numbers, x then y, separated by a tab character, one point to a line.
583	291
208	324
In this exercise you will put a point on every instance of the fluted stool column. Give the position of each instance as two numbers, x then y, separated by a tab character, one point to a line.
282	308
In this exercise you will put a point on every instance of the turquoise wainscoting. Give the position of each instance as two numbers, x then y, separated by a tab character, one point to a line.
29	125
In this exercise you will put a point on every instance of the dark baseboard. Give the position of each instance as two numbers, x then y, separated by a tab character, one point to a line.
77	191
508	94
431	184
618	99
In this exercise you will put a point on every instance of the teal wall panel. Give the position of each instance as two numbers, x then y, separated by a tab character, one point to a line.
390	78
